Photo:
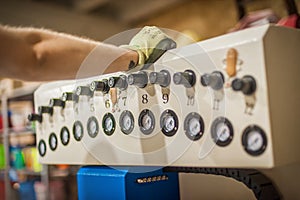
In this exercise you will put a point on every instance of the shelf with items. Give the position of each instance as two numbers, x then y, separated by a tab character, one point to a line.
21	168
20	165
13	132
23	93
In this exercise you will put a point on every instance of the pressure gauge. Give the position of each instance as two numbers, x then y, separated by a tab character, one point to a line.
52	141
78	130
42	148
126	122
65	136
222	131
146	121
194	126
169	122
108	124
254	140
92	127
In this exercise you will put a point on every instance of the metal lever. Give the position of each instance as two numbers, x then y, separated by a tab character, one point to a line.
159	50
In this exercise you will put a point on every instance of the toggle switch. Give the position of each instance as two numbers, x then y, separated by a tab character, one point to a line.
186	78
140	79
162	78
57	102
247	85
83	91
35	117
45	109
100	86
215	80
118	82
231	62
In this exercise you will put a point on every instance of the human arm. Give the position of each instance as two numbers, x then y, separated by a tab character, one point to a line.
42	55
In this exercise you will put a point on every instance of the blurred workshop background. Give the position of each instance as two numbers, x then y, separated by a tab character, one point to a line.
98	20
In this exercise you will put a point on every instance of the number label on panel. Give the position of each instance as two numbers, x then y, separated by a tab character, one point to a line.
124	99
165	98
145	99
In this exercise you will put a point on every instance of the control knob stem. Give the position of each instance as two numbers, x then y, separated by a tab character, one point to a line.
186	78
162	78
215	80
247	85
100	86
140	79
118	82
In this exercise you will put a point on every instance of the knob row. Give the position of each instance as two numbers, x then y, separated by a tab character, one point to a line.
214	80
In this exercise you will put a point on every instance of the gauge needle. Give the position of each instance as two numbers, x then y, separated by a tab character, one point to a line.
254	141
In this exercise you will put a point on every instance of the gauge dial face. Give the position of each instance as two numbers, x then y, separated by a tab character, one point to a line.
169	122
52	141
194	126
78	130
108	124
42	148
126	122
92	127
146	121
65	136
222	131
254	140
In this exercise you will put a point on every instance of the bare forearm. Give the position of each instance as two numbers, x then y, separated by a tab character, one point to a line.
41	55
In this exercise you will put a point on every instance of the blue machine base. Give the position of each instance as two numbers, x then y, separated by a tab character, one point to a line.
126	183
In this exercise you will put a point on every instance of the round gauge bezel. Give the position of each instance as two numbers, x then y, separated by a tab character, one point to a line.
163	116
123	114
105	117
187	120
52	135
150	114
77	123
245	135
90	120
214	134
42	142
64	129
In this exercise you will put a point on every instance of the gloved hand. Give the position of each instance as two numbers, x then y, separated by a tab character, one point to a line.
145	41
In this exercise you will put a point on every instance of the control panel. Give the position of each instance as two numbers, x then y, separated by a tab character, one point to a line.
231	101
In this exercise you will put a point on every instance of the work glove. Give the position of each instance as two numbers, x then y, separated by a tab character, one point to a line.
145	41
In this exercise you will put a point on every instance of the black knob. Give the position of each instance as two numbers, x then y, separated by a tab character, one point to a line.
118	82
83	91
140	79
162	78
247	85
100	86
186	78
69	96
35	117
57	102
215	80
45	109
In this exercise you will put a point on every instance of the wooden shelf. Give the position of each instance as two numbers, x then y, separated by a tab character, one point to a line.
23	93
22	132
28	172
